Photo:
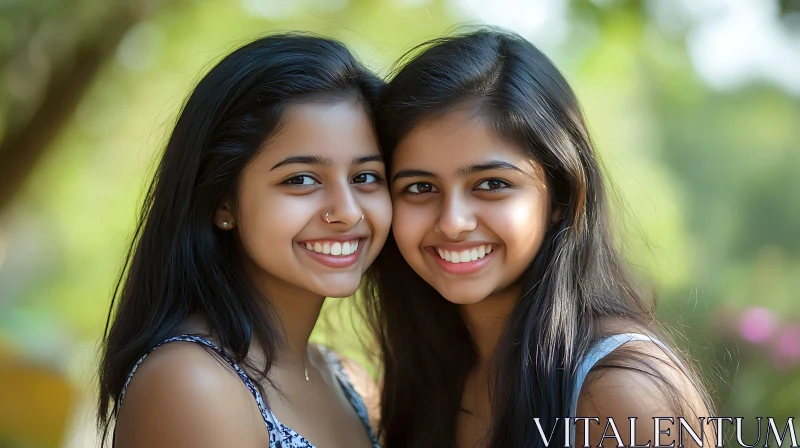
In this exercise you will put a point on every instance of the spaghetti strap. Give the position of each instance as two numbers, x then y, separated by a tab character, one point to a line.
265	414
280	435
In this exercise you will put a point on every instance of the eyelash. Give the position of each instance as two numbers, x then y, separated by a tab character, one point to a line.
407	189
506	185
299	176
378	179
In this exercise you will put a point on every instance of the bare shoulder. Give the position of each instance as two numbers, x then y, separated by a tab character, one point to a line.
650	384
365	386
182	395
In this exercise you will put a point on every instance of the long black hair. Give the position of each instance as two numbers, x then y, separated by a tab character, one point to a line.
179	263
577	279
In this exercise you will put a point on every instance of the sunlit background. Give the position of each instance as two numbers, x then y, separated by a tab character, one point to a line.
693	105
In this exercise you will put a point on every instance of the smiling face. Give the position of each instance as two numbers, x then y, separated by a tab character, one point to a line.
470	209
302	198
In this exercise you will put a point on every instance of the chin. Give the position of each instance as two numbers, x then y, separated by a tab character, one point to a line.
341	290
332	284
462	297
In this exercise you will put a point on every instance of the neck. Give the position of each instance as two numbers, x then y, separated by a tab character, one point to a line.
487	319
298	314
297	311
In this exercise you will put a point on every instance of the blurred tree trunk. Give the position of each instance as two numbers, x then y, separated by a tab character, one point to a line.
23	146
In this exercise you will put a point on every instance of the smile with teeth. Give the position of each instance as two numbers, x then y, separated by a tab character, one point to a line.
466	255
335	248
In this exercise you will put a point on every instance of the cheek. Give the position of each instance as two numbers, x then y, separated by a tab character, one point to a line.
378	208
409	226
521	223
382	204
268	224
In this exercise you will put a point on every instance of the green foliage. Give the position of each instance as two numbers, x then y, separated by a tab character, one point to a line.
707	180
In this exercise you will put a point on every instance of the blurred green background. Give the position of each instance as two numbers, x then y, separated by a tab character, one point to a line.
693	105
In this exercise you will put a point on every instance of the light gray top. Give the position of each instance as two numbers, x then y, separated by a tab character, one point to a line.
599	351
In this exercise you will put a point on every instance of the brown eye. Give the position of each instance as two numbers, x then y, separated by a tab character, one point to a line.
421	187
492	185
300	180
365	178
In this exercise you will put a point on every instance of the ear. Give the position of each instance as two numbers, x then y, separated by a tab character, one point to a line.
223	217
558	212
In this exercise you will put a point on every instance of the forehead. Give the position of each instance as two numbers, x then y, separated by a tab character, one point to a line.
451	140
335	130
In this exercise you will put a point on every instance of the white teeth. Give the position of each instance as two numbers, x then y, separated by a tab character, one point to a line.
333	247
465	256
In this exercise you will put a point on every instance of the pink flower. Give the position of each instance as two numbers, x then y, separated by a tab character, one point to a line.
757	325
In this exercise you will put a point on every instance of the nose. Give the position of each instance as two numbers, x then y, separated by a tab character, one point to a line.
343	208
456	217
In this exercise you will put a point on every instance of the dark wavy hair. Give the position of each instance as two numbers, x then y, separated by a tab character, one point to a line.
179	263
577	279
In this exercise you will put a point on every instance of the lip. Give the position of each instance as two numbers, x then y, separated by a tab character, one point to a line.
464	245
469	267
340	238
334	261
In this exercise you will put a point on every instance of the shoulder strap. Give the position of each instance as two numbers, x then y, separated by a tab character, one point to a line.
205	342
599	351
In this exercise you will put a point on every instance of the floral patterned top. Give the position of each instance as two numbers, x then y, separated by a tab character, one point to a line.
280	435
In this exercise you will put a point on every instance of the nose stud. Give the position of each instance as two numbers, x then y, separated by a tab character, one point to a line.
328	216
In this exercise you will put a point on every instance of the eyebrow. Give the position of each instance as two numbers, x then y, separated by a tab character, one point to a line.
471	169
304	160
367	159
491	165
412	173
315	160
